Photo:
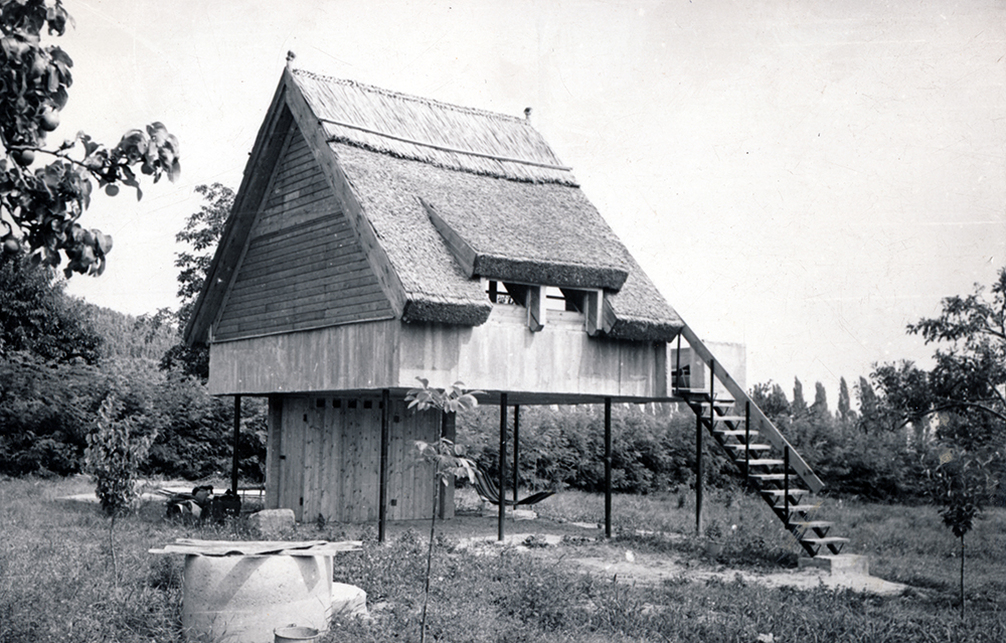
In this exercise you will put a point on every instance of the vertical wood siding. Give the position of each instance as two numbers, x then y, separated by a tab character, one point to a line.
303	267
330	464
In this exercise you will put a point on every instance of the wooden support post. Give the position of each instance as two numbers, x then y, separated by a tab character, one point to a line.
607	467
535	308
516	445
502	466
382	500
237	438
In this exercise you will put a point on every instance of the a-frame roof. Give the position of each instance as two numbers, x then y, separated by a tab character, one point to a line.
438	196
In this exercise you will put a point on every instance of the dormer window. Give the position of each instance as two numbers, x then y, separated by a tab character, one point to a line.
568	304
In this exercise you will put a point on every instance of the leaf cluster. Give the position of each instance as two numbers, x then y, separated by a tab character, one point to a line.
115	451
449	400
40	208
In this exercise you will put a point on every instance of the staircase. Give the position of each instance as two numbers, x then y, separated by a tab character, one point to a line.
767	461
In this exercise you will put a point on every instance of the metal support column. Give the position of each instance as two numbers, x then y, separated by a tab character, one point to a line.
502	465
607	467
516	445
237	438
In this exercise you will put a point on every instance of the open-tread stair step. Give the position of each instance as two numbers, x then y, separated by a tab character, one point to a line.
773	468
734	433
801	508
811	524
749	447
779	493
726	418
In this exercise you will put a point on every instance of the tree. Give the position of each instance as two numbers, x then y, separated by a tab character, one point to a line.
40	207
819	408
771	399
966	391
799	405
113	457
37	317
202	232
844	405
447	458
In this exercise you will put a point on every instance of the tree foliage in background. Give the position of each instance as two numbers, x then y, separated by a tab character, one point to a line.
40	206
37	317
202	233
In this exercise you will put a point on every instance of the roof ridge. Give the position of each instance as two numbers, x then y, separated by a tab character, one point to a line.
475	111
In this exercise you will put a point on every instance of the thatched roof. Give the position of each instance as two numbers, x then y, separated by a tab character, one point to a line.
449	194
439	134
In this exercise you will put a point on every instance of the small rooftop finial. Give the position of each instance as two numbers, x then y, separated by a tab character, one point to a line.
527	114
289	57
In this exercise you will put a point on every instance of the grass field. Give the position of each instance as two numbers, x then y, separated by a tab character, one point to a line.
57	584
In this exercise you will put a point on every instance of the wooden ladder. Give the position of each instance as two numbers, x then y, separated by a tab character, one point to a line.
768	462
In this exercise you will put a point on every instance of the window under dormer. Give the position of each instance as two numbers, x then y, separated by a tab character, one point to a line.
544	303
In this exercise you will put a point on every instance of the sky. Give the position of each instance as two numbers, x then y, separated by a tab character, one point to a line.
805	178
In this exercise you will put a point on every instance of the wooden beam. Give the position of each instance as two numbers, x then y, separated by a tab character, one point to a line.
535	308
273	471
461	249
383	483
594	311
502	466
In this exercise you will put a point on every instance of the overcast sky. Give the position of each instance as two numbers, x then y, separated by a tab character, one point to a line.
802	177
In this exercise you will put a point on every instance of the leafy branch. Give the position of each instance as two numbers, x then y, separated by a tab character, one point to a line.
40	207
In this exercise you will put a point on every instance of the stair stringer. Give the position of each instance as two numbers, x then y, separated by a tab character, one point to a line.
798	518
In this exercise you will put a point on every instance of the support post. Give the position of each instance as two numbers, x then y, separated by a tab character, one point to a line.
747	444
516	445
785	484
698	474
237	438
448	429
382	501
502	466
607	467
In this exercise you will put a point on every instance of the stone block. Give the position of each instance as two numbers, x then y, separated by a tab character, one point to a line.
270	523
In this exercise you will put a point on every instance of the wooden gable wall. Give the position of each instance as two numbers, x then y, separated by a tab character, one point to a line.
303	267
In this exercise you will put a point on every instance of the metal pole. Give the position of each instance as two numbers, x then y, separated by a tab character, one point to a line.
237	438
698	474
785	483
382	516
502	465
607	467
747	443
516	443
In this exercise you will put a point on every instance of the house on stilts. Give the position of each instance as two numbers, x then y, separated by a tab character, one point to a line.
378	237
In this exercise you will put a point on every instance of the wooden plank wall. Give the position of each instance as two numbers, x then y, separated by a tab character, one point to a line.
303	267
329	460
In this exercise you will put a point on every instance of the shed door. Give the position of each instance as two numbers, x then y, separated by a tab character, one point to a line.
296	415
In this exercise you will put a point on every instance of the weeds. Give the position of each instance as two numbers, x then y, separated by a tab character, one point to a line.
56	583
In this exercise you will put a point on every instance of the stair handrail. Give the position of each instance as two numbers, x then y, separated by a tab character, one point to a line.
765	425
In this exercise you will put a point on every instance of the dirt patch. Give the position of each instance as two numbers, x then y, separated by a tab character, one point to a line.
590	553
